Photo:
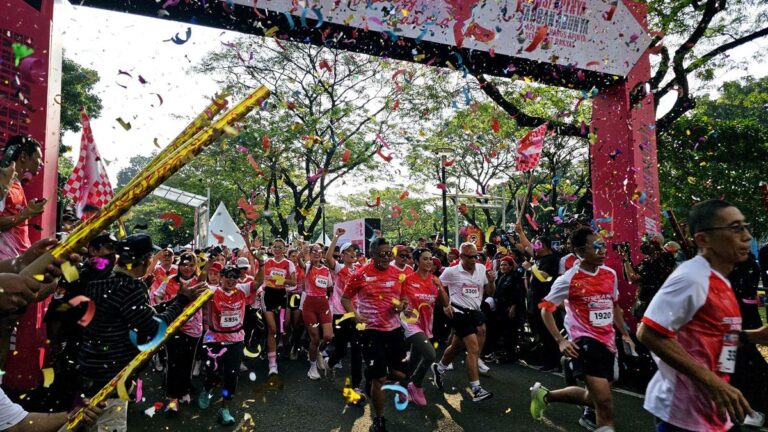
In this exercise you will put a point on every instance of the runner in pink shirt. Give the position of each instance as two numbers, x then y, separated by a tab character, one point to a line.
422	289
590	293
693	328
378	288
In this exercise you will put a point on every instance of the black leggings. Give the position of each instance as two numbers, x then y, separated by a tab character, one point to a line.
224	368
343	333
181	354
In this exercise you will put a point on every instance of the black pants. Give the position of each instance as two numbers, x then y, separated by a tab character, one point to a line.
224	368
253	324
346	333
181	355
550	352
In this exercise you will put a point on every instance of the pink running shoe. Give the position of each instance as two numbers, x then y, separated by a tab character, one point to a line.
417	395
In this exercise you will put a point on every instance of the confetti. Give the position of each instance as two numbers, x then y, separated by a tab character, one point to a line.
20	51
161	328
124	124
400	403
178	40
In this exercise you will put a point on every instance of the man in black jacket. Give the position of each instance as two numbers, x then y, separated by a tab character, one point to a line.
122	305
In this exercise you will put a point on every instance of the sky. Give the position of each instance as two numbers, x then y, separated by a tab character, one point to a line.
140	46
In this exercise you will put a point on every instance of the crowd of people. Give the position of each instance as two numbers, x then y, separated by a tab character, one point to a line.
404	311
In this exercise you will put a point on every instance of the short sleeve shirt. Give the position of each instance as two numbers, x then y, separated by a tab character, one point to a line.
342	275
11	413
276	272
377	292
695	305
14	241
227	314
589	299
567	262
465	289
422	295
317	281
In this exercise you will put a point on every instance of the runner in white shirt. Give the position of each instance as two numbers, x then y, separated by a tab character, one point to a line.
693	328
466	283
591	294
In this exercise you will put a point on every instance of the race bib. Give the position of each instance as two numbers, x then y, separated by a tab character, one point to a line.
229	319
278	276
601	317
322	282
727	361
471	291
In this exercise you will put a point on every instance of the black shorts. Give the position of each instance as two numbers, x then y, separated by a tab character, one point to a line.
274	299
466	321
595	359
383	350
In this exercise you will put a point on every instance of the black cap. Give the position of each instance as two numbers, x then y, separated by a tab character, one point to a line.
103	239
69	217
230	271
134	246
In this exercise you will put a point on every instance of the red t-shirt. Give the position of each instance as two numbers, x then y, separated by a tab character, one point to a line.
226	312
377	292
317	281
276	272
14	241
422	295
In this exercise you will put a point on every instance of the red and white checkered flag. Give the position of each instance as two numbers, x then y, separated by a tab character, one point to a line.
529	149
88	186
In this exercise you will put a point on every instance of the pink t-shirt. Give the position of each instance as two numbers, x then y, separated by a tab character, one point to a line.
226	313
317	281
696	305
422	295
160	278
342	273
589	299
193	327
377	292
14	241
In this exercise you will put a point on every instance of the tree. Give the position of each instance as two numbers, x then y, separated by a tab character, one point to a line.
330	113
719	150
692	37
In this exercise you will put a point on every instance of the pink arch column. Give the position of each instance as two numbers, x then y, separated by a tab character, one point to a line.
31	22
625	180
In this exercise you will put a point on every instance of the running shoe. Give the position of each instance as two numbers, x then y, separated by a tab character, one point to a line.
313	374
482	367
272	370
538	401
225	418
587	420
449	367
481	394
204	400
437	374
294	355
378	425
416	394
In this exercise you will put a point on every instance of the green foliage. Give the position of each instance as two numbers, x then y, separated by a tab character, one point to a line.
77	90
719	150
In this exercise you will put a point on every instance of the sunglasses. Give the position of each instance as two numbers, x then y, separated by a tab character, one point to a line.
405	255
385	254
478	256
736	229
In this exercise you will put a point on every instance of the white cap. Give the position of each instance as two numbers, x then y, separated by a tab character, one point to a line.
243	262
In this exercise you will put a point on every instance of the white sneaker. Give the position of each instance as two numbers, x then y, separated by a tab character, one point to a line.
313	374
322	362
449	367
272	370
482	367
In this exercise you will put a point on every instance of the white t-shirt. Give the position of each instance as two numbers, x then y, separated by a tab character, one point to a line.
465	289
11	413
696	305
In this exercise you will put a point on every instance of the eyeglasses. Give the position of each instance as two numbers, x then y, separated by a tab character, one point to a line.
405	255
736	229
385	254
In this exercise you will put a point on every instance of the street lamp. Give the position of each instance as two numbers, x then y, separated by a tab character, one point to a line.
444	152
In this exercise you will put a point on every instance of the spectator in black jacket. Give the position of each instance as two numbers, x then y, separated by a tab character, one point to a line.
122	305
510	305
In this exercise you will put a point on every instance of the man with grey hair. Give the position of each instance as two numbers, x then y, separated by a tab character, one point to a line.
466	283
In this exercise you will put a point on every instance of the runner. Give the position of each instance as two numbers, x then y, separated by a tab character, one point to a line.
403	259
378	288
693	327
422	289
467	283
181	349
279	273
293	323
315	309
569	260
224	337
590	292
345	331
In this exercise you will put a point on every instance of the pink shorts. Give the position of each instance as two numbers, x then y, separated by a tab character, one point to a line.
316	310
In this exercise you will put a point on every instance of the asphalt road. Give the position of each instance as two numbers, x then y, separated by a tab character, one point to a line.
304	405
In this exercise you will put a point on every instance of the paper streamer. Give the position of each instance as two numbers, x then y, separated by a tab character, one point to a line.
400	404
161	328
538	275
412	317
344	317
48	376
139	392
89	312
215	357
541	34
70	272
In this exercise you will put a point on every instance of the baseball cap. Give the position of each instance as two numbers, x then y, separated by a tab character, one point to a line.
243	262
134	247
217	267
230	271
346	246
103	239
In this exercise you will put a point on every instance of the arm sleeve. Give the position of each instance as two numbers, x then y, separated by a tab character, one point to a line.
558	293
675	304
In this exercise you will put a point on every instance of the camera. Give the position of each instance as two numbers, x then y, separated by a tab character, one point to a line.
622	248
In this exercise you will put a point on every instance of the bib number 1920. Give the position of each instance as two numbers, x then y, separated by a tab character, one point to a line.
601	318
